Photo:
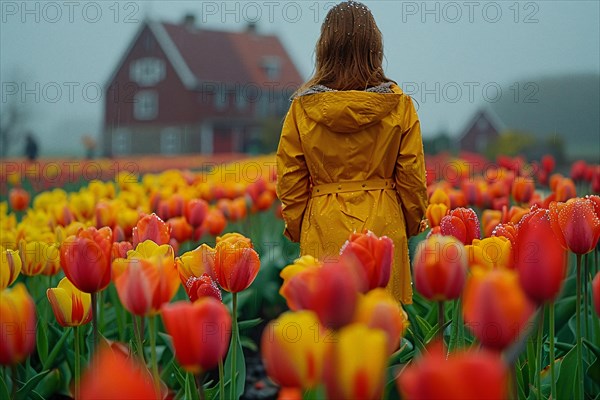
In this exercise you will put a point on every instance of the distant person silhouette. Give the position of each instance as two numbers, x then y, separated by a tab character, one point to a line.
31	147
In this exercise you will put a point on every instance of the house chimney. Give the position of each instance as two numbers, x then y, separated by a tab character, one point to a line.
189	21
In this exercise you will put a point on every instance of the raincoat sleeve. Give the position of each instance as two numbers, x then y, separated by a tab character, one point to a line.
410	169
293	178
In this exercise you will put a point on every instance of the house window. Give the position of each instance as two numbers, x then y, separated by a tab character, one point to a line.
272	67
170	141
147	71
145	105
121	141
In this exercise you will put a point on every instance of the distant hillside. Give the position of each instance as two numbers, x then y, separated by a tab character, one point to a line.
567	106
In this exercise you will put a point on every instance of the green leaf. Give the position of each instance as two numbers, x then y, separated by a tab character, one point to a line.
42	341
248	343
190	387
25	391
241	368
4	393
49	385
565	385
56	349
248	324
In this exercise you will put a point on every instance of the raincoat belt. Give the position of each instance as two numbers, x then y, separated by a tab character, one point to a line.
353	186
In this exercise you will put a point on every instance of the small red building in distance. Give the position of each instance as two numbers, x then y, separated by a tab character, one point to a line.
180	88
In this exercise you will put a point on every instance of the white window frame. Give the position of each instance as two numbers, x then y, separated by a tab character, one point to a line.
145	105
170	141
147	71
121	141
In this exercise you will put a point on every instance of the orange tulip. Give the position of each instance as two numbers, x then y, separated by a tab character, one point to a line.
18	198
522	189
86	263
463	375
147	279
371	257
265	200
10	267
113	376
355	363
576	224
71	306
379	310
462	223
215	222
565	190
540	259
180	229
489	220
236	265
150	227
200	332
235	238
495	307
289	272
17	324
509	231
440	267
120	249
293	349
196	211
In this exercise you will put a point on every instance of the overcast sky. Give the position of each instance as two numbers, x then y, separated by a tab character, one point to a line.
450	56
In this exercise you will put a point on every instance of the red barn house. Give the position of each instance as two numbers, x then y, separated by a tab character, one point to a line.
183	89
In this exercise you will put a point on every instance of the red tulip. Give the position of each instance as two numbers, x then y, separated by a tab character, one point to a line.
440	267
509	231
578	170
576	224
113	376
120	249
86	262
150	227
199	287
548	163
330	291
196	211
215	222
236	265
596	293
463	375
200	332
540	260
17	325
371	257
462	223
495	308
18	198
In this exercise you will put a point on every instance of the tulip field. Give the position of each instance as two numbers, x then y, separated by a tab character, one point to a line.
177	283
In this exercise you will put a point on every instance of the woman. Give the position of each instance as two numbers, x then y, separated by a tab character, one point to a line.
350	155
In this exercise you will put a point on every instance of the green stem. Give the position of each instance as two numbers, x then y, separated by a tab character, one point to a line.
441	318
586	297
221	381
139	336
551	332
13	376
455	322
538	372
199	386
100	312
155	376
234	339
77	342
94	321
579	383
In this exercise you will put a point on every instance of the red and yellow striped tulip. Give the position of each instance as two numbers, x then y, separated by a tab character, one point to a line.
10	267
236	265
71	306
86	262
379	310
17	325
356	371
39	258
293	349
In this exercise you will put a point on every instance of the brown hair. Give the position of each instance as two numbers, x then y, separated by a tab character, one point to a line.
349	52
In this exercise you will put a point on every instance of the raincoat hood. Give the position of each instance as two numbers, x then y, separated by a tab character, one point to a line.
349	111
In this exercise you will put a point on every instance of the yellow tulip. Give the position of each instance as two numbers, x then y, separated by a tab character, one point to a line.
39	257
196	263
10	267
71	306
491	253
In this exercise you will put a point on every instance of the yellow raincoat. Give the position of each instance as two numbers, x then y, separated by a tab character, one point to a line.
349	161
